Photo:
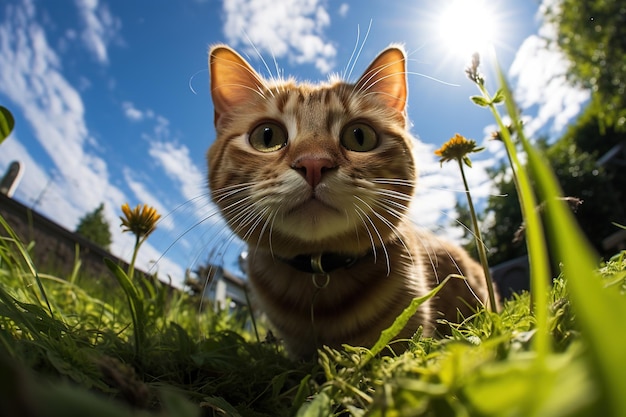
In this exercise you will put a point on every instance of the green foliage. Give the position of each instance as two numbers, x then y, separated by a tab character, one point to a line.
505	219
574	159
94	227
600	311
79	356
7	122
592	34
581	177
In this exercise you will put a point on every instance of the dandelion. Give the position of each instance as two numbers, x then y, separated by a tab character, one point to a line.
141	221
457	148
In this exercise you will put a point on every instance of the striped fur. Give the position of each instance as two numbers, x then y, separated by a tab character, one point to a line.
358	208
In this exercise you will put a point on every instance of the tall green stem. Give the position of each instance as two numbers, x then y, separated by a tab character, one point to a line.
479	241
535	242
131	267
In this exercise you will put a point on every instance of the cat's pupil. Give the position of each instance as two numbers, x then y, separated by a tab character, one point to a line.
267	136
359	136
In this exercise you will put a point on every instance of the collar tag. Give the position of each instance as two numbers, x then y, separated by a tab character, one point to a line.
316	264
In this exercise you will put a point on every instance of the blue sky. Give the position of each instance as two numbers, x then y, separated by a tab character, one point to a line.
112	104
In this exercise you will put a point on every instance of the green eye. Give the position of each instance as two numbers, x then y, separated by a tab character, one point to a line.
268	137
359	137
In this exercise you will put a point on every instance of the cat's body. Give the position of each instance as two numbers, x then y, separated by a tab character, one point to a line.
317	179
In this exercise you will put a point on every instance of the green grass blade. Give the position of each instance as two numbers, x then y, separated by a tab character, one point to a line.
135	302
29	262
535	242
400	322
221	406
321	406
601	312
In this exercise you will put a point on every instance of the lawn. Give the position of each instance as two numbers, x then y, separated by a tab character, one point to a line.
69	347
128	345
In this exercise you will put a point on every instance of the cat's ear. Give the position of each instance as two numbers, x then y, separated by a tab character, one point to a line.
386	77
233	81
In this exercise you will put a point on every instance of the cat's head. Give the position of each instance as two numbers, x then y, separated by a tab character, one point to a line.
302	168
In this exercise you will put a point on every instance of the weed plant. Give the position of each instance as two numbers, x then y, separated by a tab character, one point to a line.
72	347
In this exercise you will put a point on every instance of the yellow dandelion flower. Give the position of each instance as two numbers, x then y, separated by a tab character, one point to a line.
141	220
457	148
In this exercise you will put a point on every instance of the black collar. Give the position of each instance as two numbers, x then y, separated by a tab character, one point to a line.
320	263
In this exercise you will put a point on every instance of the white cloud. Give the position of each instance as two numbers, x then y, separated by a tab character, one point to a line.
136	115
292	28
31	78
198	211
131	112
100	28
343	9
145	196
79	180
540	72
179	166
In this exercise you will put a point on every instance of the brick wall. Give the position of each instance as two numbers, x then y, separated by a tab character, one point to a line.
54	249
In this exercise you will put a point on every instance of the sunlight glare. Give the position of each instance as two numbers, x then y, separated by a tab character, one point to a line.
467	26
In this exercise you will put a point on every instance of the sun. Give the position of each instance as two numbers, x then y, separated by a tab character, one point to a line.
467	26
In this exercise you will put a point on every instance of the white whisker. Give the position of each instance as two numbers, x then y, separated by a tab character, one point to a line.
394	181
391	226
395	194
358	211
369	27
380	238
270	233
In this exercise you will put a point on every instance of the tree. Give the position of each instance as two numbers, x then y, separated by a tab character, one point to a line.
589	158
94	227
505	219
592	34
579	161
600	187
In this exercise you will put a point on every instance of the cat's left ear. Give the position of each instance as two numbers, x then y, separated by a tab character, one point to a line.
386	77
233	81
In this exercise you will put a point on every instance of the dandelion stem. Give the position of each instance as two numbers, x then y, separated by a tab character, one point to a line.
479	241
131	266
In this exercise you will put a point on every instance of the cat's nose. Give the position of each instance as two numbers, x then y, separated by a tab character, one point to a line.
312	168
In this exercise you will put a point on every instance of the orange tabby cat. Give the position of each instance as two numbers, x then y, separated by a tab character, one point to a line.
317	180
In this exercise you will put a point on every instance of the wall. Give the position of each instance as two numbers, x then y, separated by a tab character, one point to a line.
54	250
55	247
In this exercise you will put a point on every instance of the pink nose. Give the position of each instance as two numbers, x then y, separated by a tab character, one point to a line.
313	168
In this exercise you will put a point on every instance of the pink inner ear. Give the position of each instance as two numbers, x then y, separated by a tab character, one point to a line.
233	81
386	77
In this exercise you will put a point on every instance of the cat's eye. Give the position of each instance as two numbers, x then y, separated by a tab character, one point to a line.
359	137
268	137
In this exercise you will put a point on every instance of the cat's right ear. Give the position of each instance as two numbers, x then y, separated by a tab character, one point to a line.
233	81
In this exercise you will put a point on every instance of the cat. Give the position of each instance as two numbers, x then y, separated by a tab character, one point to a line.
317	179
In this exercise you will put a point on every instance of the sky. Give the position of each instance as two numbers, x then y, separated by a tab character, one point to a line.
112	104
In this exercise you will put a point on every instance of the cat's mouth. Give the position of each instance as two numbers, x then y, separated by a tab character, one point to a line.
313	206
313	218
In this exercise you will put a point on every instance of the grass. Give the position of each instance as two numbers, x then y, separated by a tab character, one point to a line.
73	358
69	346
